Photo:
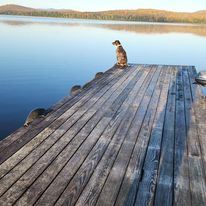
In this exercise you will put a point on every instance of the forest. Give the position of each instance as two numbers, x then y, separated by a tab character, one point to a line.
145	15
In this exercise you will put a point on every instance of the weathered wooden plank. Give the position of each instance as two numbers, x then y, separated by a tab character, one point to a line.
73	103
56	129
119	142
146	189
92	190
46	178
33	172
182	194
129	185
146	186
192	133
195	89
199	106
196	168
112	179
102	142
104	139
164	189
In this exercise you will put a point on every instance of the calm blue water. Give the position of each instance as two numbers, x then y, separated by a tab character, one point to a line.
42	58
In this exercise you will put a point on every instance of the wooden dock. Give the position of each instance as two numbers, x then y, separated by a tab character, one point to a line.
132	137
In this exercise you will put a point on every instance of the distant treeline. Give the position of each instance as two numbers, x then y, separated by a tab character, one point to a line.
147	15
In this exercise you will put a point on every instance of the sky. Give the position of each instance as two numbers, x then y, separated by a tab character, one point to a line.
99	5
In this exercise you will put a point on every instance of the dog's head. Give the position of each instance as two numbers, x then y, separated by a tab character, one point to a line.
116	43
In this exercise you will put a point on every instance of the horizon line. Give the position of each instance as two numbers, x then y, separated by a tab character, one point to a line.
102	10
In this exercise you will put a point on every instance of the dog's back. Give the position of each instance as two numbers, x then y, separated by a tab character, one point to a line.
121	56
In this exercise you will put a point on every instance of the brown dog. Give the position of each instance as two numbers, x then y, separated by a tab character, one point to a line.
121	54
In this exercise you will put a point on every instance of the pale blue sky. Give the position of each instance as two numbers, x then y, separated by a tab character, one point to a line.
92	5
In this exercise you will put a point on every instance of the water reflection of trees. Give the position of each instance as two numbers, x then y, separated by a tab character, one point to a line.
15	23
157	28
148	28
25	23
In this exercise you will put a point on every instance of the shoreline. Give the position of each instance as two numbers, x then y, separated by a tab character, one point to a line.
92	20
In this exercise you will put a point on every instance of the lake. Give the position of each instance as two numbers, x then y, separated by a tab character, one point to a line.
42	58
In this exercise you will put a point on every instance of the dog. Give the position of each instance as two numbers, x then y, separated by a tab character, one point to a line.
121	54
